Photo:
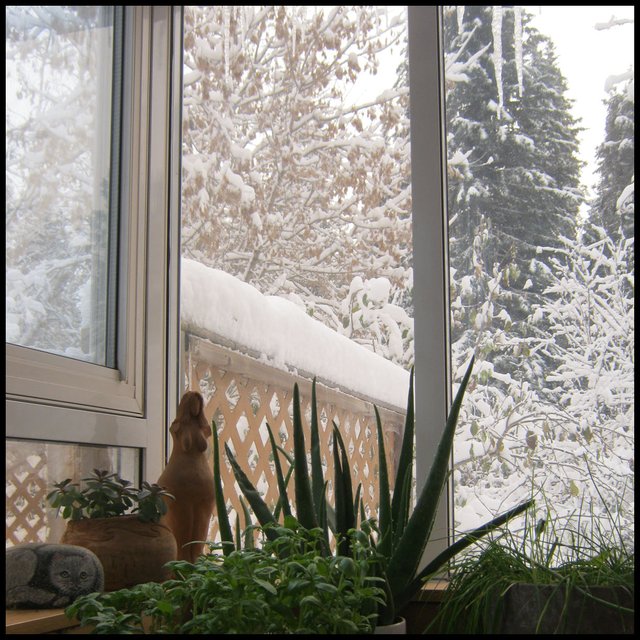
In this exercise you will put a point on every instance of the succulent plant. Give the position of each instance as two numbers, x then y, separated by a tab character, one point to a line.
403	531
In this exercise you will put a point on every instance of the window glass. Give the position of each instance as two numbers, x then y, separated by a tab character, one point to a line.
296	176
540	210
32	467
59	69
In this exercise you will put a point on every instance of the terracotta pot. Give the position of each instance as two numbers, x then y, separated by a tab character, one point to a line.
131	551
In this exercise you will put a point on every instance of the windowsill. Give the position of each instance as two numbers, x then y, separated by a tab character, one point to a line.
39	621
433	590
54	620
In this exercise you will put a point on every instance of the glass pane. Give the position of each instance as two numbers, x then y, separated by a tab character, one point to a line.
296	179
31	469
59	67
540	121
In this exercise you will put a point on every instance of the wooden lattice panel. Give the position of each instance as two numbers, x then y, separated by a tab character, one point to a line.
25	493
243	395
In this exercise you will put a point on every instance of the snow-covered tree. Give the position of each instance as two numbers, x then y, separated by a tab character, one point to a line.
289	182
513	175
57	171
613	205
573	436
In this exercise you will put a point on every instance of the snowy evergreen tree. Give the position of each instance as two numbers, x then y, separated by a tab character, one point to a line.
513	176
613	205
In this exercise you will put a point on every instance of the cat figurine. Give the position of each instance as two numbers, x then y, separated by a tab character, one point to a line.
47	576
188	476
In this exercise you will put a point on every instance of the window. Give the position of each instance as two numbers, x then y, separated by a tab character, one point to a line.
91	219
60	178
540	224
299	213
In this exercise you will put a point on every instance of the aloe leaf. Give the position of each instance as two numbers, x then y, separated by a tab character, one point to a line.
406	556
339	497
324	520
399	506
278	509
305	512
254	499
221	508
282	487
331	517
384	498
404	504
248	534
468	539
238	542
317	478
286	454
357	502
346	479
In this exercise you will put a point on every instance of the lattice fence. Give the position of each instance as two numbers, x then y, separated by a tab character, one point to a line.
242	395
26	489
31	469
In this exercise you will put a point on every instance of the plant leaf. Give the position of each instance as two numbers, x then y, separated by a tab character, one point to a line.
468	539
399	506
221	507
254	499
339	496
282	486
406	556
305	511
384	496
344	489
317	478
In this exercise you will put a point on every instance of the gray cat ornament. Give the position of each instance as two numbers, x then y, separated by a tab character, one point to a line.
48	576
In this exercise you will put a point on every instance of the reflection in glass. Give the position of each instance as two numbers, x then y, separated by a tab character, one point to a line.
31	469
58	128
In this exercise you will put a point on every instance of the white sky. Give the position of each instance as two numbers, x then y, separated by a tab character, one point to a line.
587	57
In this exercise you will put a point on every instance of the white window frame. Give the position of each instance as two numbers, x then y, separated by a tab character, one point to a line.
430	254
54	398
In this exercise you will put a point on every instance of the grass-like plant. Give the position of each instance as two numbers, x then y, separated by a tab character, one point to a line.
567	558
285	586
403	530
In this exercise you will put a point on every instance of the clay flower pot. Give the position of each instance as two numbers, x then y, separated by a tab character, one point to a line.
131	551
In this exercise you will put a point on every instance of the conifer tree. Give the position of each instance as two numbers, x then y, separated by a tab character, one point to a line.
613	205
513	174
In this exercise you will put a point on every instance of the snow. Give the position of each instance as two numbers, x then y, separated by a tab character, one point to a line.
216	304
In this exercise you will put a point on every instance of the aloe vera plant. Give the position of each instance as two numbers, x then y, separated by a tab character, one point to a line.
403	532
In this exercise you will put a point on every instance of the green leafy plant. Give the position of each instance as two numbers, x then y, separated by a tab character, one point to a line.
285	586
107	495
402	531
565	559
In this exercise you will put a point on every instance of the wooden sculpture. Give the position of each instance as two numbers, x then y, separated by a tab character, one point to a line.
189	477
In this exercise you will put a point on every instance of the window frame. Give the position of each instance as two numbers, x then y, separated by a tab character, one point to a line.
430	256
55	398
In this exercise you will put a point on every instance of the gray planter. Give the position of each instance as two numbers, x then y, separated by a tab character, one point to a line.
530	608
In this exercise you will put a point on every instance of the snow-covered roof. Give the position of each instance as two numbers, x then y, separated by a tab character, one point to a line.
223	306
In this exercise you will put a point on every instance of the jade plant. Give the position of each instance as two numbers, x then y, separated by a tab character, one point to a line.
107	495
284	586
403	532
